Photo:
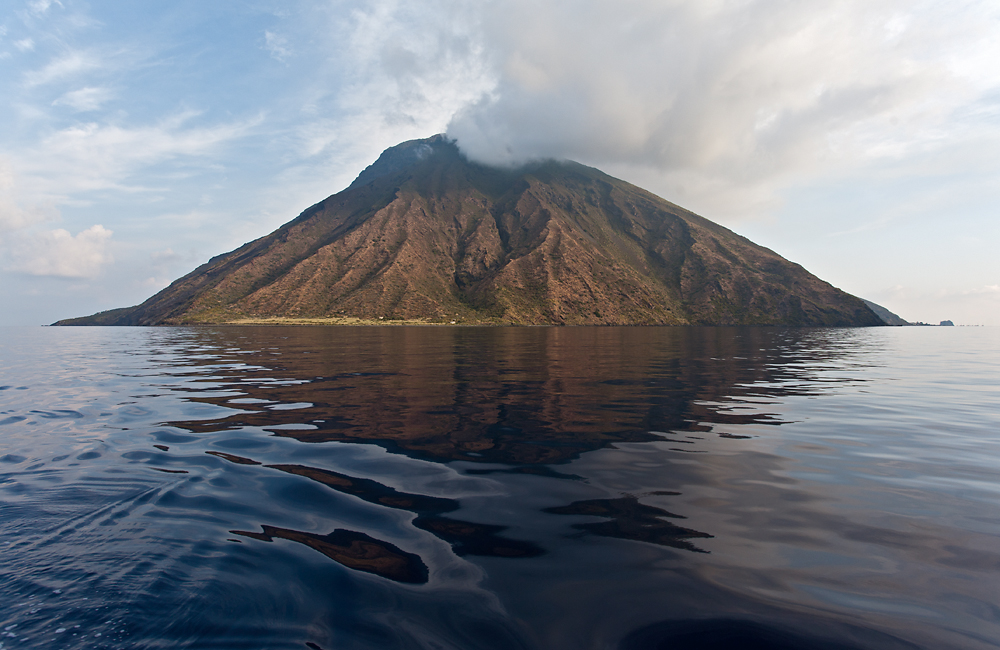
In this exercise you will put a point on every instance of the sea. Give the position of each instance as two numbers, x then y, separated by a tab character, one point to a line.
470	488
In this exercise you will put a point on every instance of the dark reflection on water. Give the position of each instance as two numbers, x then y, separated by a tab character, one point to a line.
466	538
630	519
354	550
499	488
524	396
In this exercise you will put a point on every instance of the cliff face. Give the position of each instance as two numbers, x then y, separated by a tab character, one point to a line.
423	234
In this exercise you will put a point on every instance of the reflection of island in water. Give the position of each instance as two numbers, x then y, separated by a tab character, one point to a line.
495	395
526	399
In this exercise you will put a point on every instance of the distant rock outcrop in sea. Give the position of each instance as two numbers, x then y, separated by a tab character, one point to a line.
425	235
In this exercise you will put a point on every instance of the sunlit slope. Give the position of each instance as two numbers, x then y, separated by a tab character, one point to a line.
425	235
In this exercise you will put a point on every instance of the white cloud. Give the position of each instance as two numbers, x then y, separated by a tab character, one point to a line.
84	99
402	70
91	156
41	7
59	253
14	215
989	289
729	99
276	45
386	72
25	44
71	64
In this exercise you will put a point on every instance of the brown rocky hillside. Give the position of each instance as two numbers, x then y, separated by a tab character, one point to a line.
425	235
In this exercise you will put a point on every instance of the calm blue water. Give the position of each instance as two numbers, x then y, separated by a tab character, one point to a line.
469	488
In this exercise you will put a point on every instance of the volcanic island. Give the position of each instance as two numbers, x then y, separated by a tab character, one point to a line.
426	236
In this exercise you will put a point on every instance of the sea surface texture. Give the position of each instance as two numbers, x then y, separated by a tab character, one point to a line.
465	488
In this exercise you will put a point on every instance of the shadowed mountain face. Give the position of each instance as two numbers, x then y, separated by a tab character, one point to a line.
887	316
423	234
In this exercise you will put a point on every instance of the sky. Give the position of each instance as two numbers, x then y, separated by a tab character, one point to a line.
860	139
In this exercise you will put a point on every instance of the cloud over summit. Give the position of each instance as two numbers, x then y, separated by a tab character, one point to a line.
737	94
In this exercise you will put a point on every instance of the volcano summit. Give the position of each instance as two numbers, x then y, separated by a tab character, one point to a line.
425	235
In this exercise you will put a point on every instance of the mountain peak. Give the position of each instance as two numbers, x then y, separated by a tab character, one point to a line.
404	155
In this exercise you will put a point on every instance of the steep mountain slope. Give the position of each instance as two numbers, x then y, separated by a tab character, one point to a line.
887	316
423	234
